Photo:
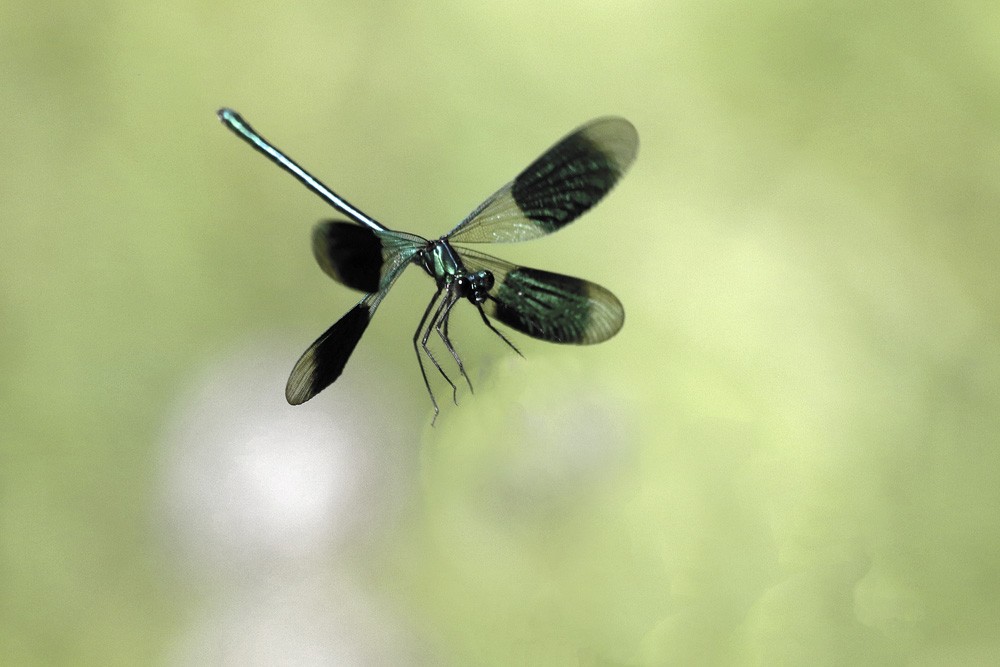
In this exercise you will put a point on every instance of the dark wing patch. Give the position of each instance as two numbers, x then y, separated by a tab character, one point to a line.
325	359
548	306
557	188
556	308
561	185
349	253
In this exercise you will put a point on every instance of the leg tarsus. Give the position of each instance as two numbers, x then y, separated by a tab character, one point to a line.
492	328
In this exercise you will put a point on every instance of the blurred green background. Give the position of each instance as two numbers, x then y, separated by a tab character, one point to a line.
788	455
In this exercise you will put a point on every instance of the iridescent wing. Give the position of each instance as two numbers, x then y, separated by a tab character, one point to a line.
362	259
557	188
359	257
325	359
548	306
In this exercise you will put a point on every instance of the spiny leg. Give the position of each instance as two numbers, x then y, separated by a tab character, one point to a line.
492	328
442	330
416	350
432	324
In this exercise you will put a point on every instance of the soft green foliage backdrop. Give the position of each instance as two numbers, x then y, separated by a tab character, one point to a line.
788	456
